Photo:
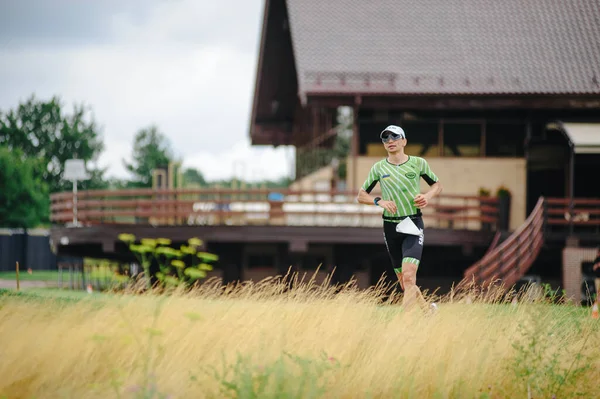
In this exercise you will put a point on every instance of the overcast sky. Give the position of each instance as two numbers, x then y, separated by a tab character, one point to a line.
187	66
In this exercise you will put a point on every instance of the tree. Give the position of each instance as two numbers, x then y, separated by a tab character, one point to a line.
151	150
40	130
193	177
24	200
95	181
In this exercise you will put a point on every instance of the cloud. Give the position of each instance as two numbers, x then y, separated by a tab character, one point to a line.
61	22
255	165
187	66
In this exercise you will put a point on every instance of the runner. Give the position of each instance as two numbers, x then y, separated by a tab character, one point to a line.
399	178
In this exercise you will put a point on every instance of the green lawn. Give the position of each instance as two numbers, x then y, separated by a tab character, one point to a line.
49	293
36	275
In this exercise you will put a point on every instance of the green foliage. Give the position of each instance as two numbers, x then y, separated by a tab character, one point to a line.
183	266
502	192
193	177
290	376
484	192
33	275
42	131
151	150
105	273
24	198
538	363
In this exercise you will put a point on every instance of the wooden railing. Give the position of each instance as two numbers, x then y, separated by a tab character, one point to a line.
510	260
579	217
258	207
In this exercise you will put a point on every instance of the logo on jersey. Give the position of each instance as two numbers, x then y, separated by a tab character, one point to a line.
385	176
411	175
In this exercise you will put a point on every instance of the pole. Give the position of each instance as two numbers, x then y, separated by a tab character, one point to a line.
74	202
571	187
355	143
18	282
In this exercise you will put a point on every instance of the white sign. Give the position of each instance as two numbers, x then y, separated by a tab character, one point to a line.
75	170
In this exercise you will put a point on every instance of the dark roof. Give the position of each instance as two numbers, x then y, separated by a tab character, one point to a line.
446	46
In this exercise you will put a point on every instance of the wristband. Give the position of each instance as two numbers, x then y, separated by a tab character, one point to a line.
377	199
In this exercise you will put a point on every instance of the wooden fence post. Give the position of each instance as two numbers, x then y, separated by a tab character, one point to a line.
18	282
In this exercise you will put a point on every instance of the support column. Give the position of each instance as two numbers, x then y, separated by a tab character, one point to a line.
571	185
573	257
283	259
346	261
230	260
355	143
108	245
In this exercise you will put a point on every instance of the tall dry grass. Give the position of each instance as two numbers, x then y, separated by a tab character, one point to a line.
267	340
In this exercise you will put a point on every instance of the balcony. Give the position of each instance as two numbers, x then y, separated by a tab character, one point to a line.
224	207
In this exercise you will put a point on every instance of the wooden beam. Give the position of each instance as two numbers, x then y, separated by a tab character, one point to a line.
105	234
355	144
450	101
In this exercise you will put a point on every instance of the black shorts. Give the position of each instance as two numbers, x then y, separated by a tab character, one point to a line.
403	248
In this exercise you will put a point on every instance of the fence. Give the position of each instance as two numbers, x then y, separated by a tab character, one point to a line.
259	207
31	248
582	216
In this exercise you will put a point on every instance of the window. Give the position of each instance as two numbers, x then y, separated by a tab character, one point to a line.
422	138
505	140
462	139
471	136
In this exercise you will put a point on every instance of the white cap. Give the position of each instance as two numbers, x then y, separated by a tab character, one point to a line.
393	129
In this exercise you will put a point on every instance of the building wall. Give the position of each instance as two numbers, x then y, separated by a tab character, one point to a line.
465	176
320	180
573	257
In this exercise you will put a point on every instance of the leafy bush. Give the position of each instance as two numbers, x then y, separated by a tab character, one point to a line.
183	266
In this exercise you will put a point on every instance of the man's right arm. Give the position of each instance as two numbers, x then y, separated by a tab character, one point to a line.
365	198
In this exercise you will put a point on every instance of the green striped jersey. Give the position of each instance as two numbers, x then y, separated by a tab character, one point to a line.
400	183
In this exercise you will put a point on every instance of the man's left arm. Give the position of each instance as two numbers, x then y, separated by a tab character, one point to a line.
434	190
435	187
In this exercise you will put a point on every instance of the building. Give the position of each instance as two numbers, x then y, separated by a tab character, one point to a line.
494	94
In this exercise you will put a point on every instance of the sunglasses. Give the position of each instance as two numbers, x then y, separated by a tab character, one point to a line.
391	137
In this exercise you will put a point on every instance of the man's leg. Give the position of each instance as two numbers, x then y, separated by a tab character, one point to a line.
412	293
393	244
400	277
398	272
412	249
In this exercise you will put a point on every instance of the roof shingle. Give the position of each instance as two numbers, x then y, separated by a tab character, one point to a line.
447	46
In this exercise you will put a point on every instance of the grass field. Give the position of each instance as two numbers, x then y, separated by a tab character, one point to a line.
261	341
36	275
